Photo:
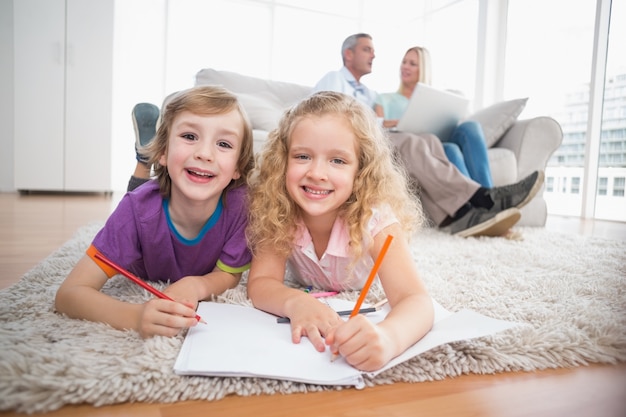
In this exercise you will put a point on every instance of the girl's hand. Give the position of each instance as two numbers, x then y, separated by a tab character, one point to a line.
314	320
363	344
160	317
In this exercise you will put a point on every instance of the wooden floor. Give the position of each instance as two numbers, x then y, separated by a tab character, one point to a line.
32	226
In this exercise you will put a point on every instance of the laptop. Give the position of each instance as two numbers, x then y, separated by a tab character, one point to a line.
431	110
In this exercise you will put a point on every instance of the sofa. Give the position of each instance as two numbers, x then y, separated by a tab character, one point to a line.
515	147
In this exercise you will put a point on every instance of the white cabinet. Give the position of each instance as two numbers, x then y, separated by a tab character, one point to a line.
63	91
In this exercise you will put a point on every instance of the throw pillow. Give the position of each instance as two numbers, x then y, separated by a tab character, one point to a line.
498	118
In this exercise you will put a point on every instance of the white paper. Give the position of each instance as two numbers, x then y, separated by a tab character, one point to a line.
240	341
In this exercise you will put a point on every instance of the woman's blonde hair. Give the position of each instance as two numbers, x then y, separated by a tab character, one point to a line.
379	179
203	100
423	59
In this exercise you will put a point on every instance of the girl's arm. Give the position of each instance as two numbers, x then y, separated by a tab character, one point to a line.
369	347
268	292
79	296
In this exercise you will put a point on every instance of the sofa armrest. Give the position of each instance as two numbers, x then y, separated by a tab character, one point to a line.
533	141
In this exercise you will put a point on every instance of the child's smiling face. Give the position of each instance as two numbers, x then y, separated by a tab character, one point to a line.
202	154
322	164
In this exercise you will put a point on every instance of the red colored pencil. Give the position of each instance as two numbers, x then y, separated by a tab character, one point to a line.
138	281
368	283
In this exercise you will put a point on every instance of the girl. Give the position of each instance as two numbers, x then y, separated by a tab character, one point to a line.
466	147
186	226
324	198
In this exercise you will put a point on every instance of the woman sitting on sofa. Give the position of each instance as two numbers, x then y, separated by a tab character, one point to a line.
466	147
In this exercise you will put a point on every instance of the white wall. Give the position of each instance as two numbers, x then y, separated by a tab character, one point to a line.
299	41
294	41
159	46
138	74
6	95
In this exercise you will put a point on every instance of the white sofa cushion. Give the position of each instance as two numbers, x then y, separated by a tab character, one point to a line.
264	114
264	100
283	92
498	118
259	137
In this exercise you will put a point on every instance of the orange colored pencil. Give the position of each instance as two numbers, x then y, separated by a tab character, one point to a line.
138	281
368	283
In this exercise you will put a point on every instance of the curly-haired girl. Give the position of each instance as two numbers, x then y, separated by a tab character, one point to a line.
324	197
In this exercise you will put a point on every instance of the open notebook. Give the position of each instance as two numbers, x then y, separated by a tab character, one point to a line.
434	111
241	341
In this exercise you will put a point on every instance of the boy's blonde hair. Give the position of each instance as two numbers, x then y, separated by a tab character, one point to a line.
204	101
379	179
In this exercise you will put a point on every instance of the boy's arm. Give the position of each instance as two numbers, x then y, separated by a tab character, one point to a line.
79	296
192	289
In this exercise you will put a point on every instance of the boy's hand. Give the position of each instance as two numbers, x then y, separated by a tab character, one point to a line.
160	317
184	291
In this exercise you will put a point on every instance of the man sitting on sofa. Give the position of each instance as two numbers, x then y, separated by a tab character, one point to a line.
455	203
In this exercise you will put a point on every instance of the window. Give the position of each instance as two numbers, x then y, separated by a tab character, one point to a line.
566	42
575	185
192	43
602	185
618	186
558	89
424	23
549	184
613	138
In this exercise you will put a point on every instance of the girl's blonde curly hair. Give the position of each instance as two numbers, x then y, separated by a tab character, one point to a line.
380	179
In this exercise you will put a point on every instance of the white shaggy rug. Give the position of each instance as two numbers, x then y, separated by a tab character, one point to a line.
570	289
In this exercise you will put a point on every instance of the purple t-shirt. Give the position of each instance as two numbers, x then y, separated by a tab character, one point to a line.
140	237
